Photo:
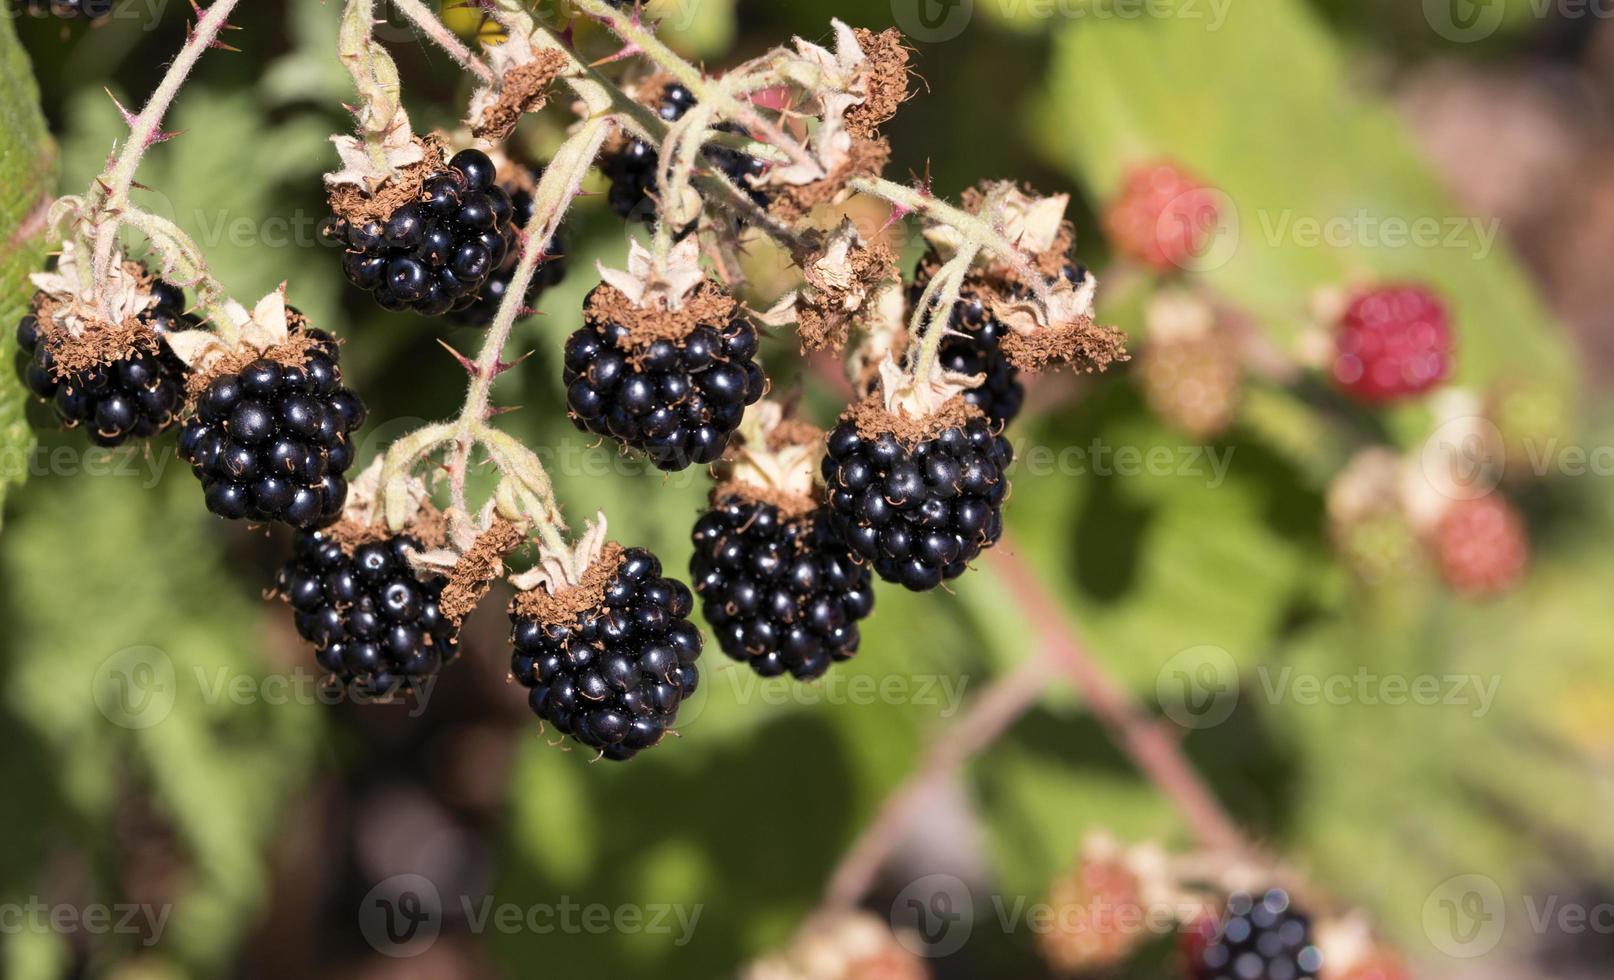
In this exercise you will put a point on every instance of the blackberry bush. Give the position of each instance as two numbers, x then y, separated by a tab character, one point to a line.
918	498
435	253
519	185
270	440
1260	937
670	378
608	660
632	168
376	626
118	383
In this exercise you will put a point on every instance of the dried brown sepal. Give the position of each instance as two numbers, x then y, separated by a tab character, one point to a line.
886	85
708	304
773	459
360	205
842	274
1084	345
566	605
864	157
872	419
473	575
97	344
291	352
522	89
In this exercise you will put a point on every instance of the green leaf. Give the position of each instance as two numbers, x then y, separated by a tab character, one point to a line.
27	178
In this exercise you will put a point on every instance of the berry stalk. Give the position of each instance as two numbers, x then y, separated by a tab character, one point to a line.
433	27
108	196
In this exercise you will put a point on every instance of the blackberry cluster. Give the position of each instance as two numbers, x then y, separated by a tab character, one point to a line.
435	254
1259	938
374	624
613	678
975	347
69	9
271	443
677	401
551	270
919	514
632	170
135	397
781	593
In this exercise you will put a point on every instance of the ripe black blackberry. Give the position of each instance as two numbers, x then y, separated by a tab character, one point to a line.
375	624
551	270
922	504
609	661
136	396
69	9
270	442
632	169
674	384
433	255
780	591
1260	937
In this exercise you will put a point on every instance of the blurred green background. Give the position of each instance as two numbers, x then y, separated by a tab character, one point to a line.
165	746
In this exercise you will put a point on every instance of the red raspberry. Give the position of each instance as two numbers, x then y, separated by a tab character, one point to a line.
1482	546
1392	342
1162	216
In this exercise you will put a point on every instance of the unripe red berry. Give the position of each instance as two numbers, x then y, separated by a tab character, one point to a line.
1392	342
1482	547
1162	216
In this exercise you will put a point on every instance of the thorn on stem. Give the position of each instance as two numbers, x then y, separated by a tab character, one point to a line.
465	362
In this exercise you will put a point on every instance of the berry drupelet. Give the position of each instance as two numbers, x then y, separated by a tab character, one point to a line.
433	255
632	169
135	396
1162	217
610	660
551	269
1392	343
1260	937
271	441
375	624
917	498
673	382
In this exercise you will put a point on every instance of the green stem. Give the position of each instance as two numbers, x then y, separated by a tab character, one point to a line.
433	27
109	193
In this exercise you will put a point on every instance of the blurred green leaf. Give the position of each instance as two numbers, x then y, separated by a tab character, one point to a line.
27	179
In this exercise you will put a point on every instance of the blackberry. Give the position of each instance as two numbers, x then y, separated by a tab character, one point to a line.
271	441
435	254
375	625
69	9
136	396
612	674
632	169
678	400
975	346
551	270
781	592
918	510
1259	938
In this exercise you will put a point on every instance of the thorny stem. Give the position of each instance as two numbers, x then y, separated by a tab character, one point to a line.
446	39
560	185
109	194
627	27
